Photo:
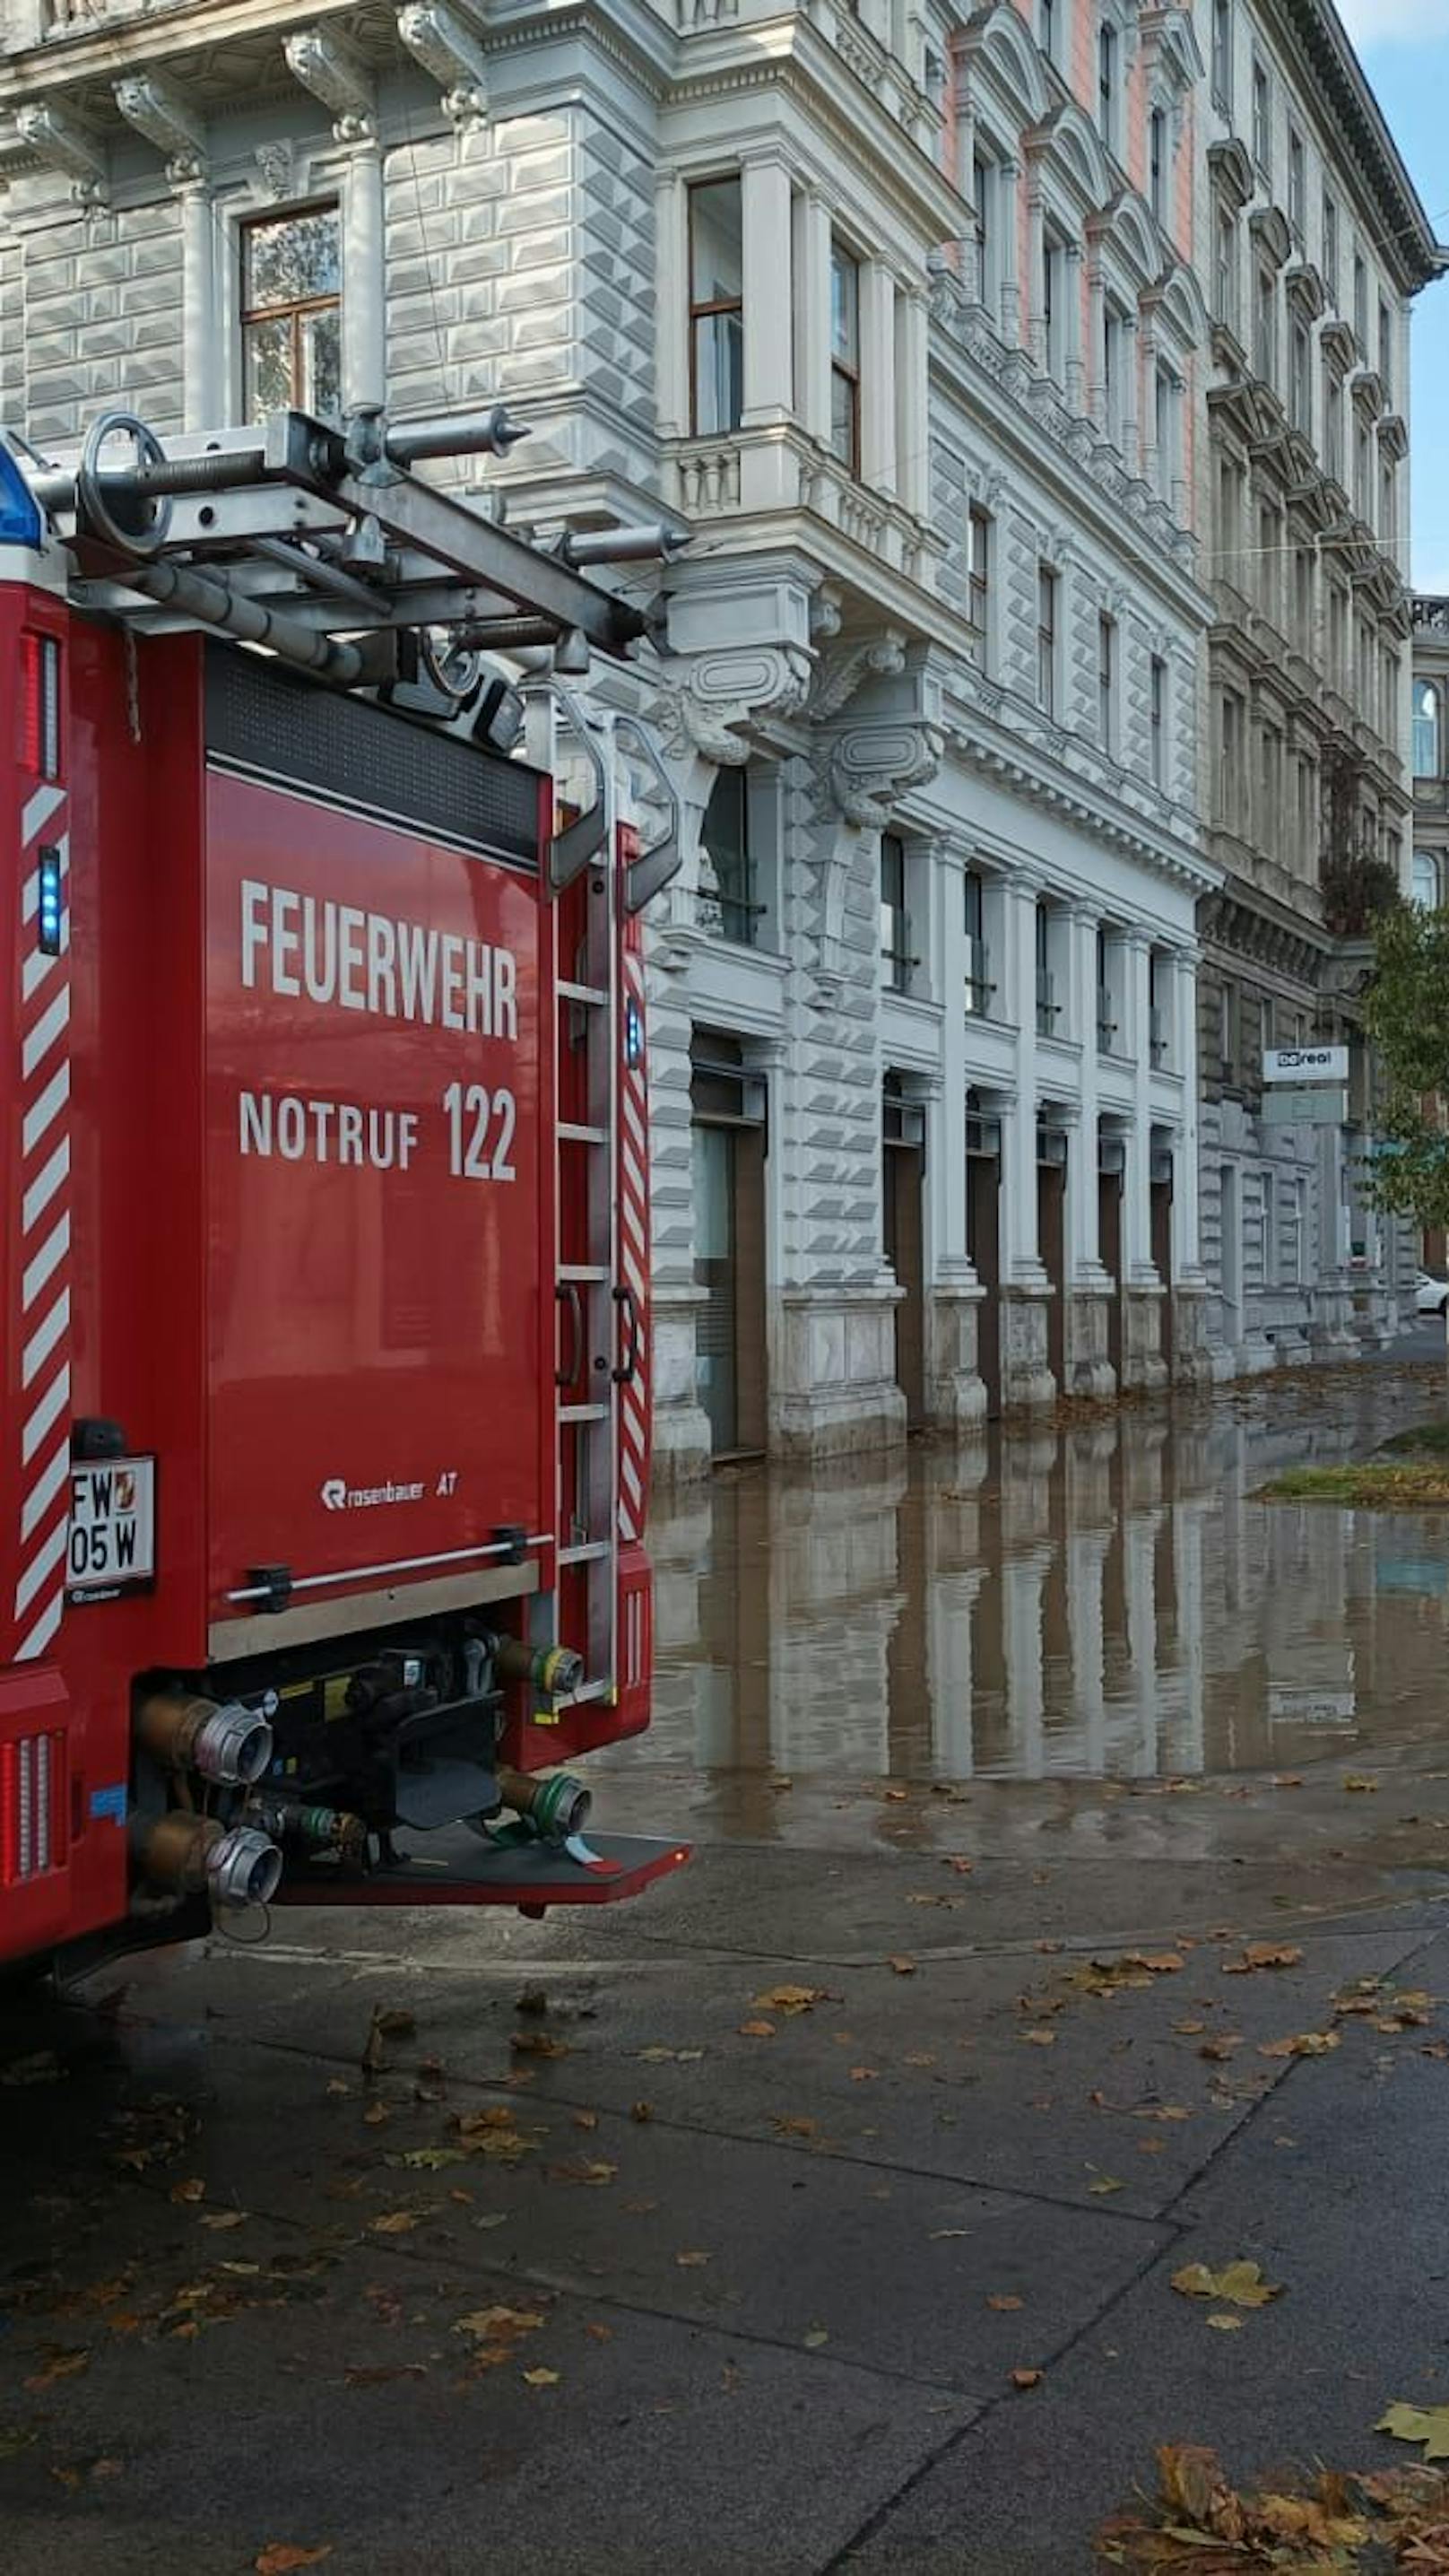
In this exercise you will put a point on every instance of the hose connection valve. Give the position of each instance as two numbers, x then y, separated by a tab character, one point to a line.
222	1740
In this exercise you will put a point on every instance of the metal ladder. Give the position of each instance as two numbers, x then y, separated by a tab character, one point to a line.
588	998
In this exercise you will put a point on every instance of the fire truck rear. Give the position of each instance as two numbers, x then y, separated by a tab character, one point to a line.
324	1413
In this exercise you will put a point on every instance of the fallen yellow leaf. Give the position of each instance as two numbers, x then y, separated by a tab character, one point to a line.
789	1999
190	2191
219	2219
541	2378
1038	2038
1026	2378
757	2030
903	1967
692	2261
1428	2425
1262	1954
1303	2043
816	2336
1226	2325
488	2322
1241	2284
279	2558
1356	1780
1003	2303
394	2222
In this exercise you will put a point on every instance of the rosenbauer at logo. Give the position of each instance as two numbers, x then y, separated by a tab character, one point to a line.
339	1496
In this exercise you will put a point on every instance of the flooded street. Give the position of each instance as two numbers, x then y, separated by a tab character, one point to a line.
1103	1601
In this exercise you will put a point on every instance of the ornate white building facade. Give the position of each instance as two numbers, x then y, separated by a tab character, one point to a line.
898	312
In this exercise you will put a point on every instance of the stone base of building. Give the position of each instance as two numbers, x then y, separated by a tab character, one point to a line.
1090	1372
835	1393
1191	1357
1143	1317
1027	1383
955	1390
682	1445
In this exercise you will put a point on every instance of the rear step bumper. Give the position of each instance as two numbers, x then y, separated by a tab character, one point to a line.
461	1869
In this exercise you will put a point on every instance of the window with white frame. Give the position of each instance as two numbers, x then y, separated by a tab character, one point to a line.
1428	706
980	990
1424	889
1108	82
1265	325
1222	54
1360	304
1159	1007
1295	1234
1054	304
1225	267
1333	426
1270	785
716	307
1051	28
1167	400
1388	505
1107	682
986	196
291	313
845	357
1300	377
980	536
1157	721
1386	349
1047	592
1158	152
1330	247
1262	118
1232	717
1304	599
1297	186
898	965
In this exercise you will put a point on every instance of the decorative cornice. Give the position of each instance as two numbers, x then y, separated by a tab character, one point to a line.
724	695
154	108
57	137
450	54
329	68
864	772
842	673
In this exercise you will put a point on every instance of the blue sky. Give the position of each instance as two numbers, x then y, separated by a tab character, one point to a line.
1404	46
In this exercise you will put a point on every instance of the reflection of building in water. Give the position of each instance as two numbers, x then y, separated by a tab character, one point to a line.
1110	1602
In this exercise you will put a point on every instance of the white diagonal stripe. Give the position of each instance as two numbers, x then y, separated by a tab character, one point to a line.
30	899
39	811
48	1259
40	1569
45	1032
635	1119
37	966
44	1112
47	1413
43	1341
42	1632
40	1497
43	1188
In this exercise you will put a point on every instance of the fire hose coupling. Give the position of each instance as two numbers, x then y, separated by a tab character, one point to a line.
313	1829
552	1671
188	1855
556	1807
222	1740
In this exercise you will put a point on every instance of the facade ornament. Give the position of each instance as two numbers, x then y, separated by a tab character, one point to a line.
842	673
727	694
331	71
68	145
436	35
866	770
277	169
153	107
826	614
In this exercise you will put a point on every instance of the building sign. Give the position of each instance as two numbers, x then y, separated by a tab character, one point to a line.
1324	1106
1306	1064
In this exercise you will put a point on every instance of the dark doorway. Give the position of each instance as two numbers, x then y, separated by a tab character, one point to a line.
1162	1249
729	1246
983	1245
1051	1223
903	1176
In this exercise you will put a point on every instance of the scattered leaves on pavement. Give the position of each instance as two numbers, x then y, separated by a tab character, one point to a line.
1225	2324
394	2222
1103	2185
41	2067
692	2260
815	2336
1004	2303
1038	2038
541	2378
61	2361
1337	2521
220	2220
537	2043
1429	2425
429	2159
788	2000
757	2030
593	2171
281	2558
1302	2043
192	2190
1026	2379
1241	2284
1262	1954
903	1966
384	2025
1357	1780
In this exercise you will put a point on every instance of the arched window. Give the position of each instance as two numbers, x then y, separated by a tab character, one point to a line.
1426	729
1426	881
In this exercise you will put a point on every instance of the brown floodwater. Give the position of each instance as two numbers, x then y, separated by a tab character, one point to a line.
1107	1599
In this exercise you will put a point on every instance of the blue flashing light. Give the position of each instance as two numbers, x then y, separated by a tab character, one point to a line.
633	1035
50	928
20	520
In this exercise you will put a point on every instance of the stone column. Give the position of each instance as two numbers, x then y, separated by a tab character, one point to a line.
1097	352
200	406
878	376
671	311
1086	1551
814	382
1075	371
913	462
1147	386
1143	1292
1089	1371
1026	1379
1008	179
1131	393
769	354
1036	329
364	355
1022	1578
956	1396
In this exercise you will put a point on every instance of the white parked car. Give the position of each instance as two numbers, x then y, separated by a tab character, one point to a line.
1431	1295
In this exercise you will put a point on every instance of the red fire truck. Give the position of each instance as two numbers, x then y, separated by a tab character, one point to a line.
324	1406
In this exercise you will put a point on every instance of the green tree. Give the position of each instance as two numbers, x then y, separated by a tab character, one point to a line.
1406	1011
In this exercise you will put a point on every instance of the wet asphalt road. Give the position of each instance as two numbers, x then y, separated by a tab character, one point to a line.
728	2254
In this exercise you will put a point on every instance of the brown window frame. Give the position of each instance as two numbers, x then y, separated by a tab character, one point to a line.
302	307
841	367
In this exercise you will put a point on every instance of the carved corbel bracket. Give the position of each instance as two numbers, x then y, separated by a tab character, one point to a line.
332	72
436	36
